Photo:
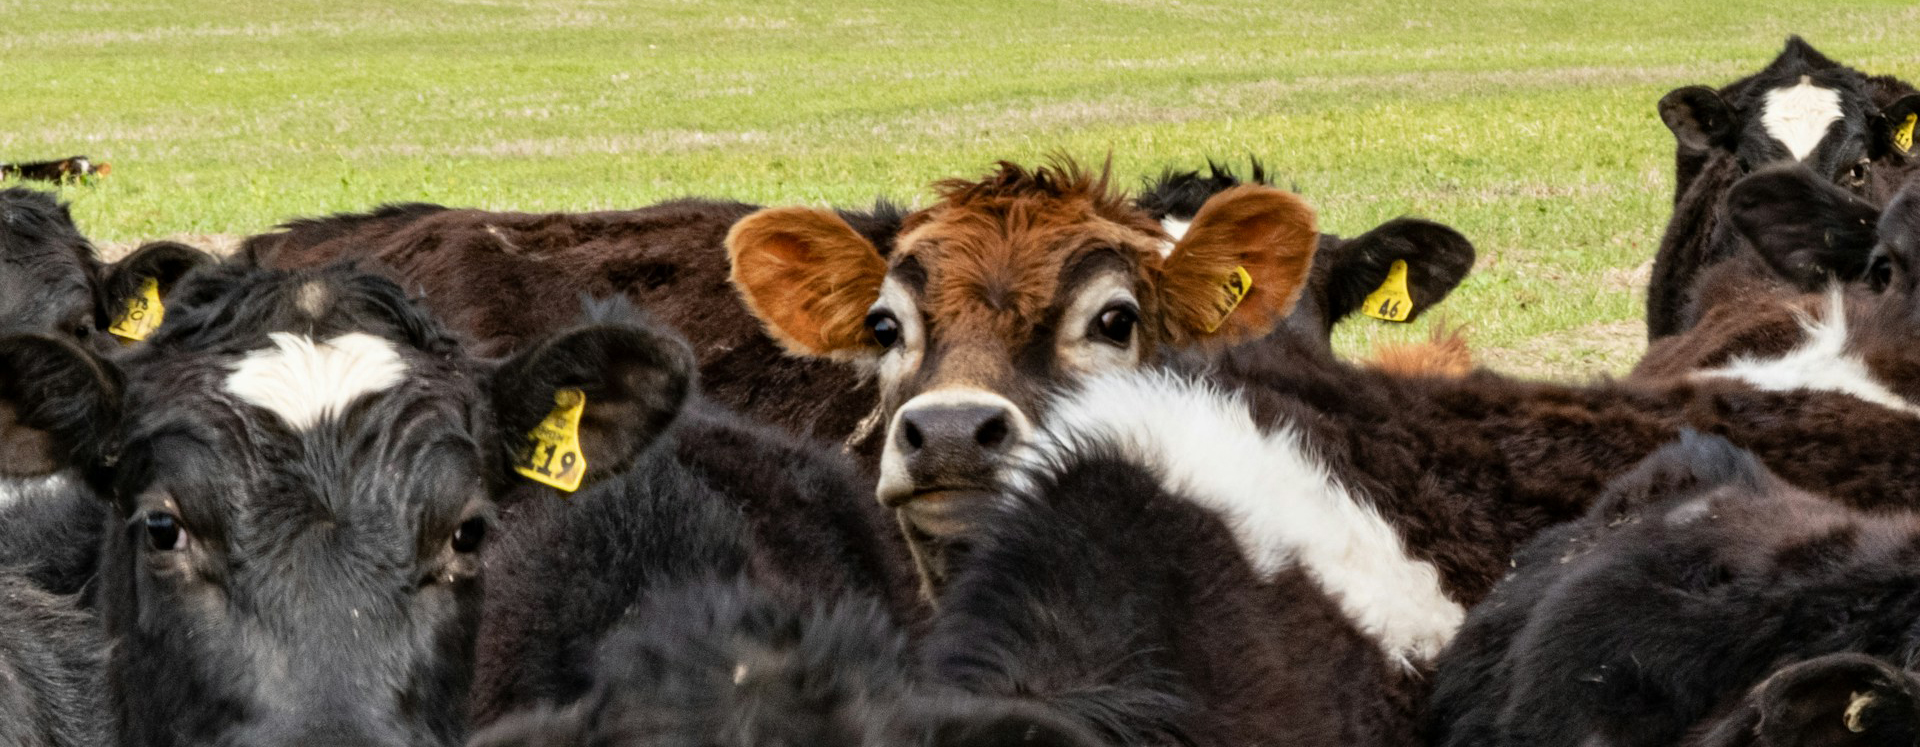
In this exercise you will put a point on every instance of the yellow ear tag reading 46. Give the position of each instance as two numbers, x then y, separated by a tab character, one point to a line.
552	455
1903	137
1232	292
144	313
1390	301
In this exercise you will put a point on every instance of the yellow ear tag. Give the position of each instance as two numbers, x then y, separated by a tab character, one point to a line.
1390	301
1232	291
1903	137
144	313
552	455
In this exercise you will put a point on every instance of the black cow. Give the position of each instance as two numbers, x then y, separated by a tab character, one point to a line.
302	468
1703	601
1432	258
729	664
1847	127
716	497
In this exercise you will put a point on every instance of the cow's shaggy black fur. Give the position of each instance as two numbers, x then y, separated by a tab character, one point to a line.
52	682
1132	610
1698	576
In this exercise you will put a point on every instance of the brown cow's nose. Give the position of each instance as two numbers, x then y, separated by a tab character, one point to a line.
954	438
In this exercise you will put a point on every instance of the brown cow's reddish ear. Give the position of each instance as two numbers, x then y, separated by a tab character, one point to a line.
809	277
1240	267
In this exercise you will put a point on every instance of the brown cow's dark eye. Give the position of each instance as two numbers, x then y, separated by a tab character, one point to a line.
468	536
1116	323
885	328
164	533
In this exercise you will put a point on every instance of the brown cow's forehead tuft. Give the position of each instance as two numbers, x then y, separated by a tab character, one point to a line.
994	251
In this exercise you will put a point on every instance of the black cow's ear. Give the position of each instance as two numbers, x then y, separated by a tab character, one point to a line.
1698	117
586	402
1840	700
1695	465
59	407
1397	270
133	290
1894	129
1805	228
1009	724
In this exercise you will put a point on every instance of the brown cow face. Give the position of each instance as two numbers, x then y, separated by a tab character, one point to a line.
1002	290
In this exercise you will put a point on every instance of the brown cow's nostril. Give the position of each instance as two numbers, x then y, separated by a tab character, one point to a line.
992	433
911	433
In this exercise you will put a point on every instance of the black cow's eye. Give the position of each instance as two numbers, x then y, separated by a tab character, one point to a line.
468	536
164	533
1116	323
885	328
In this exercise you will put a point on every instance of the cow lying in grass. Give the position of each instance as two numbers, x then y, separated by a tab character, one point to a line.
1704	602
1852	130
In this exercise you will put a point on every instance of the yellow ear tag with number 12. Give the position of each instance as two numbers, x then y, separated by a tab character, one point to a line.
143	315
1903	137
1233	290
552	455
1390	301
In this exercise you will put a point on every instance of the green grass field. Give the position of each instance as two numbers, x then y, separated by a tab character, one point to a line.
1528	125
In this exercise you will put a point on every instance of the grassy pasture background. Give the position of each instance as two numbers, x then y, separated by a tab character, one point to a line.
1527	124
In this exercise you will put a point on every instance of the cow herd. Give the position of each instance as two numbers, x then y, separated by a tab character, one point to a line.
1037	463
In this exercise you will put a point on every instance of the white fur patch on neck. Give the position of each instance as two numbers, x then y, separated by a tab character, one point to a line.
1285	508
1821	363
28	489
1798	116
303	381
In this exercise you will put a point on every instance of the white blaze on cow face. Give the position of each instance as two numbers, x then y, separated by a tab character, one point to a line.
1798	116
1822	362
303	381
1283	505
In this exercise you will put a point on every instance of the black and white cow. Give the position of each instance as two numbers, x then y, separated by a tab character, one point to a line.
1431	257
1846	127
1702	602
302	469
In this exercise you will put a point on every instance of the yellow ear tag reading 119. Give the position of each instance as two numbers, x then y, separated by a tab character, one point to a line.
1232	291
1903	137
144	313
552	455
1390	301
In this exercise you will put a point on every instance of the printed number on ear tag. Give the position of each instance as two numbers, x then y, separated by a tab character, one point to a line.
552	455
1390	301
1232	291
143	315
1903	137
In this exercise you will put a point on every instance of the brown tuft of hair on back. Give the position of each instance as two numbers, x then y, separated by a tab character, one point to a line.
1444	354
